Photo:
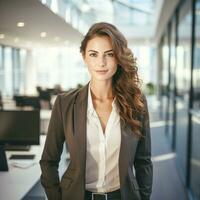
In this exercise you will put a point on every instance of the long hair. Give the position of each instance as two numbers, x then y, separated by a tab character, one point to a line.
125	83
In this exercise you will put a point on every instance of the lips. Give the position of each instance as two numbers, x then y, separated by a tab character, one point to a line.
101	71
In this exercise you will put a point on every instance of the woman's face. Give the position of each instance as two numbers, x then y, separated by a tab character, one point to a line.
99	58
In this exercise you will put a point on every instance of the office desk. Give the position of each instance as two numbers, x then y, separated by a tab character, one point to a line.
17	182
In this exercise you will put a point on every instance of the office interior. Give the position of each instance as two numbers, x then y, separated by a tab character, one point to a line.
40	58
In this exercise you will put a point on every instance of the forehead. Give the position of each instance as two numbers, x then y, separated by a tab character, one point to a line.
99	43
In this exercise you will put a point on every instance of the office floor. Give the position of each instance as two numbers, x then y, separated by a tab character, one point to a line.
166	181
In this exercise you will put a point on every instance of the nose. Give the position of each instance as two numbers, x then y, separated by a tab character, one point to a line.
102	61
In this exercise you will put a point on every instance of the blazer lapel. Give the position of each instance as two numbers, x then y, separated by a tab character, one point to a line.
79	124
128	142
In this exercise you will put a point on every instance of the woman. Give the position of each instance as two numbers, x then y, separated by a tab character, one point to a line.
105	126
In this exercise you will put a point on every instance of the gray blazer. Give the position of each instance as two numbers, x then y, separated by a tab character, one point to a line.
68	124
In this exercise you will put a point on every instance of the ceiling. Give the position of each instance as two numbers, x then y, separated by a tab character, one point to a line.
37	18
135	18
66	21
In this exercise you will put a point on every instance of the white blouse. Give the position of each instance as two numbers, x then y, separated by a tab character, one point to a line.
102	156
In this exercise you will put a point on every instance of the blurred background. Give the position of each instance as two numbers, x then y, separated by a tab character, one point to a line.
40	58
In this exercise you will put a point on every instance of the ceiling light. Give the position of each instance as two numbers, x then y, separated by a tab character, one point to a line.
2	36
20	24
43	34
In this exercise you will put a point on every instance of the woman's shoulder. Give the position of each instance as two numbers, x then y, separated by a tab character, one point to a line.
73	94
69	95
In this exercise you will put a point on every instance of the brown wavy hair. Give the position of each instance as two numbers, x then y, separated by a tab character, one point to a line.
125	83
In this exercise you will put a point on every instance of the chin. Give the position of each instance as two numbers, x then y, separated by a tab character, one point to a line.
102	78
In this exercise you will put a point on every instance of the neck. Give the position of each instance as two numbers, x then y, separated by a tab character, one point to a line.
101	90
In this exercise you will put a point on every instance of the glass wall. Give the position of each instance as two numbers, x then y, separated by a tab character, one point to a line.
8	72
11	71
195	158
146	59
1	70
183	117
196	67
195	147
25	71
171	88
59	66
183	77
16	71
22	70
165	74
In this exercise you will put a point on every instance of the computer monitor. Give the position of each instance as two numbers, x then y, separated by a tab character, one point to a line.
32	101
18	127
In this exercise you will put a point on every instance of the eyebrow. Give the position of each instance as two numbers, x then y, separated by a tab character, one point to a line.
98	52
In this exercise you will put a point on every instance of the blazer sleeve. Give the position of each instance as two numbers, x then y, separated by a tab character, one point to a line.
51	154
142	163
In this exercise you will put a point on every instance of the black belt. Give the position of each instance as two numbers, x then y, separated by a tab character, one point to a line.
103	196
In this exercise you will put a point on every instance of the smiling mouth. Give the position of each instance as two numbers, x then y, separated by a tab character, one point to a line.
101	71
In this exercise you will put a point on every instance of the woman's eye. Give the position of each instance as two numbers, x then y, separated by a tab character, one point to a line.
110	54
93	55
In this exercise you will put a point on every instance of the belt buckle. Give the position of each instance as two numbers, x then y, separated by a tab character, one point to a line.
105	195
